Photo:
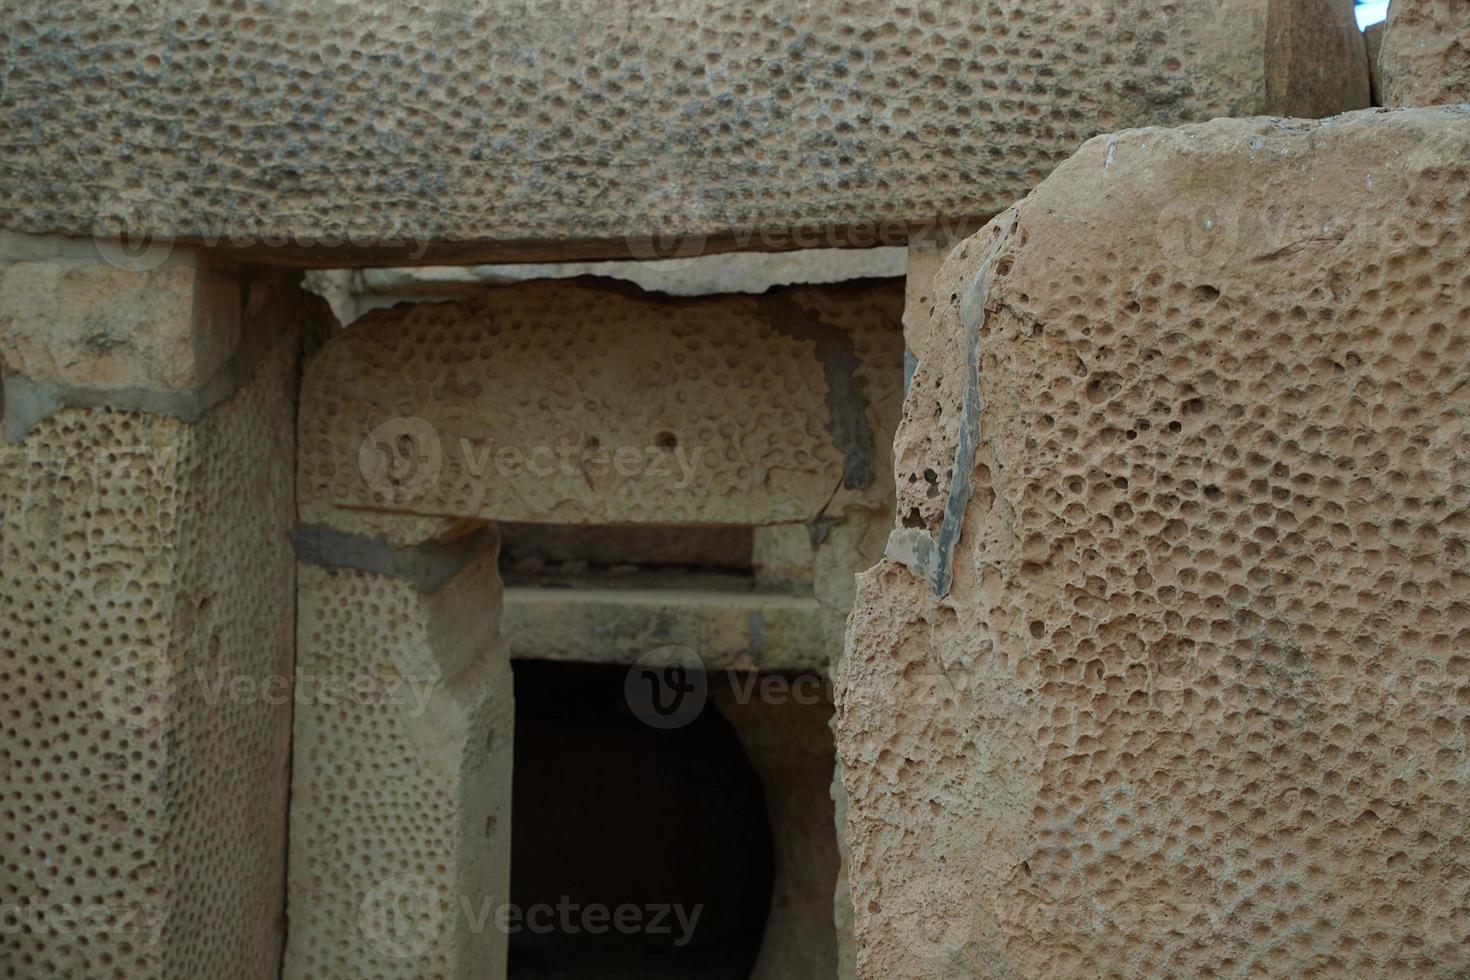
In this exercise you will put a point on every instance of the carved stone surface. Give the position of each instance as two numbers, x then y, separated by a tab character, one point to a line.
400	797
585	402
147	592
1166	672
600	127
1425	55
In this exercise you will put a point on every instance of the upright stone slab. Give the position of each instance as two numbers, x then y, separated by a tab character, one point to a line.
1166	672
146	604
610	127
1425	54
401	775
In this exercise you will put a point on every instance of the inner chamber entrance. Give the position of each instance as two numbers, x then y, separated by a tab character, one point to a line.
636	852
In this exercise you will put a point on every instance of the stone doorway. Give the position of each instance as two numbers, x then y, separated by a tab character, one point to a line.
635	851
579	473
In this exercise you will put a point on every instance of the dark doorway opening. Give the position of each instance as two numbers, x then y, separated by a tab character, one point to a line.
641	853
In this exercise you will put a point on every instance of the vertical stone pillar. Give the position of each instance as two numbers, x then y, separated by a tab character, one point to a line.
146	609
400	805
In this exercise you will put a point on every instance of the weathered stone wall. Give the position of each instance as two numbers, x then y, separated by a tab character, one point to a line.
146	603
423	422
1166	672
586	402
1425	57
560	129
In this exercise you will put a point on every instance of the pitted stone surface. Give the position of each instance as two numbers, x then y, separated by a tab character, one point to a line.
146	603
1425	53
264	123
400	802
1197	701
580	402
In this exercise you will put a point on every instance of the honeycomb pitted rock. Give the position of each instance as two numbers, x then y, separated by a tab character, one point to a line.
147	591
264	123
1196	698
400	801
1425	53
584	402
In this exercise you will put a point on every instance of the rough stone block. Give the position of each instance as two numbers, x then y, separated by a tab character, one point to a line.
1166	672
731	630
604	127
579	402
146	603
1425	58
401	776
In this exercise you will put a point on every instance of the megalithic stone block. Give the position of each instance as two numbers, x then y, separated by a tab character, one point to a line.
1166	672
147	592
783	124
401	776
1424	59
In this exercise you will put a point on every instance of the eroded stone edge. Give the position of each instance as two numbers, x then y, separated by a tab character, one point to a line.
847	402
427	567
915	548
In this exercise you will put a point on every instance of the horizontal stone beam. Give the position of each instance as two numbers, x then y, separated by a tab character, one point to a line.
585	402
605	128
726	630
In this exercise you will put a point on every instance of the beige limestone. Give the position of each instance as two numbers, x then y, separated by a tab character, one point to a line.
588	402
925	257
790	748
730	630
68	316
704	275
400	797
1195	698
147	596
562	129
1425	58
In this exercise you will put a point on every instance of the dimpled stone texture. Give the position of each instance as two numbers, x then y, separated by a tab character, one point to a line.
146	571
723	406
1198	699
401	777
513	121
1425	54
